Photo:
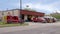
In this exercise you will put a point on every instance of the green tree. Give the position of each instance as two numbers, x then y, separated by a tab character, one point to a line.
56	16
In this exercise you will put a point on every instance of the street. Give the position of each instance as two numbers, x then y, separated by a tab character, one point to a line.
39	28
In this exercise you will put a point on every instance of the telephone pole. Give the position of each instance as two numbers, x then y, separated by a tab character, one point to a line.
20	4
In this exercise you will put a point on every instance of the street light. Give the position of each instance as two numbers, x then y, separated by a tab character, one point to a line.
27	6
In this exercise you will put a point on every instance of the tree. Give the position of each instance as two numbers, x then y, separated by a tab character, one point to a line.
56	15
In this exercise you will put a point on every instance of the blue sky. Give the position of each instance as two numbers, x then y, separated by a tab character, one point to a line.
10	4
46	6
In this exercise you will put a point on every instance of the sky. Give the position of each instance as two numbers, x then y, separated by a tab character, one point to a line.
46	6
9	4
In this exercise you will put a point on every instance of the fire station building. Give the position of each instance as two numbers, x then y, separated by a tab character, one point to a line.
24	14
28	15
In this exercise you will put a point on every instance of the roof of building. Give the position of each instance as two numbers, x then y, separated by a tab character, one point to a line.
10	10
26	12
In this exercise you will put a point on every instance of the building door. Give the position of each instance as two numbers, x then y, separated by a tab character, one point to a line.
22	16
29	17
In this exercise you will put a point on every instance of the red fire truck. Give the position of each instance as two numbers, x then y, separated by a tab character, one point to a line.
14	19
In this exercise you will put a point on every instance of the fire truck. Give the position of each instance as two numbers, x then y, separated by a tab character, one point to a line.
14	19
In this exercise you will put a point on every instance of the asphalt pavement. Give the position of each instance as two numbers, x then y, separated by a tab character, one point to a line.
34	28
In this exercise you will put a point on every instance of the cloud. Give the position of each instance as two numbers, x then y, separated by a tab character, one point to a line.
47	5
39	6
48	1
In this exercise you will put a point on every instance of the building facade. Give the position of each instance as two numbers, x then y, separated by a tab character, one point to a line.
28	15
23	14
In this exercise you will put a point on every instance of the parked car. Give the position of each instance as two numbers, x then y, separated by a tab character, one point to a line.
35	19
40	19
54	19
50	19
45	19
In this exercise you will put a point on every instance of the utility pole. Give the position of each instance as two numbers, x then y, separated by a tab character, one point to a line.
20	4
20	8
